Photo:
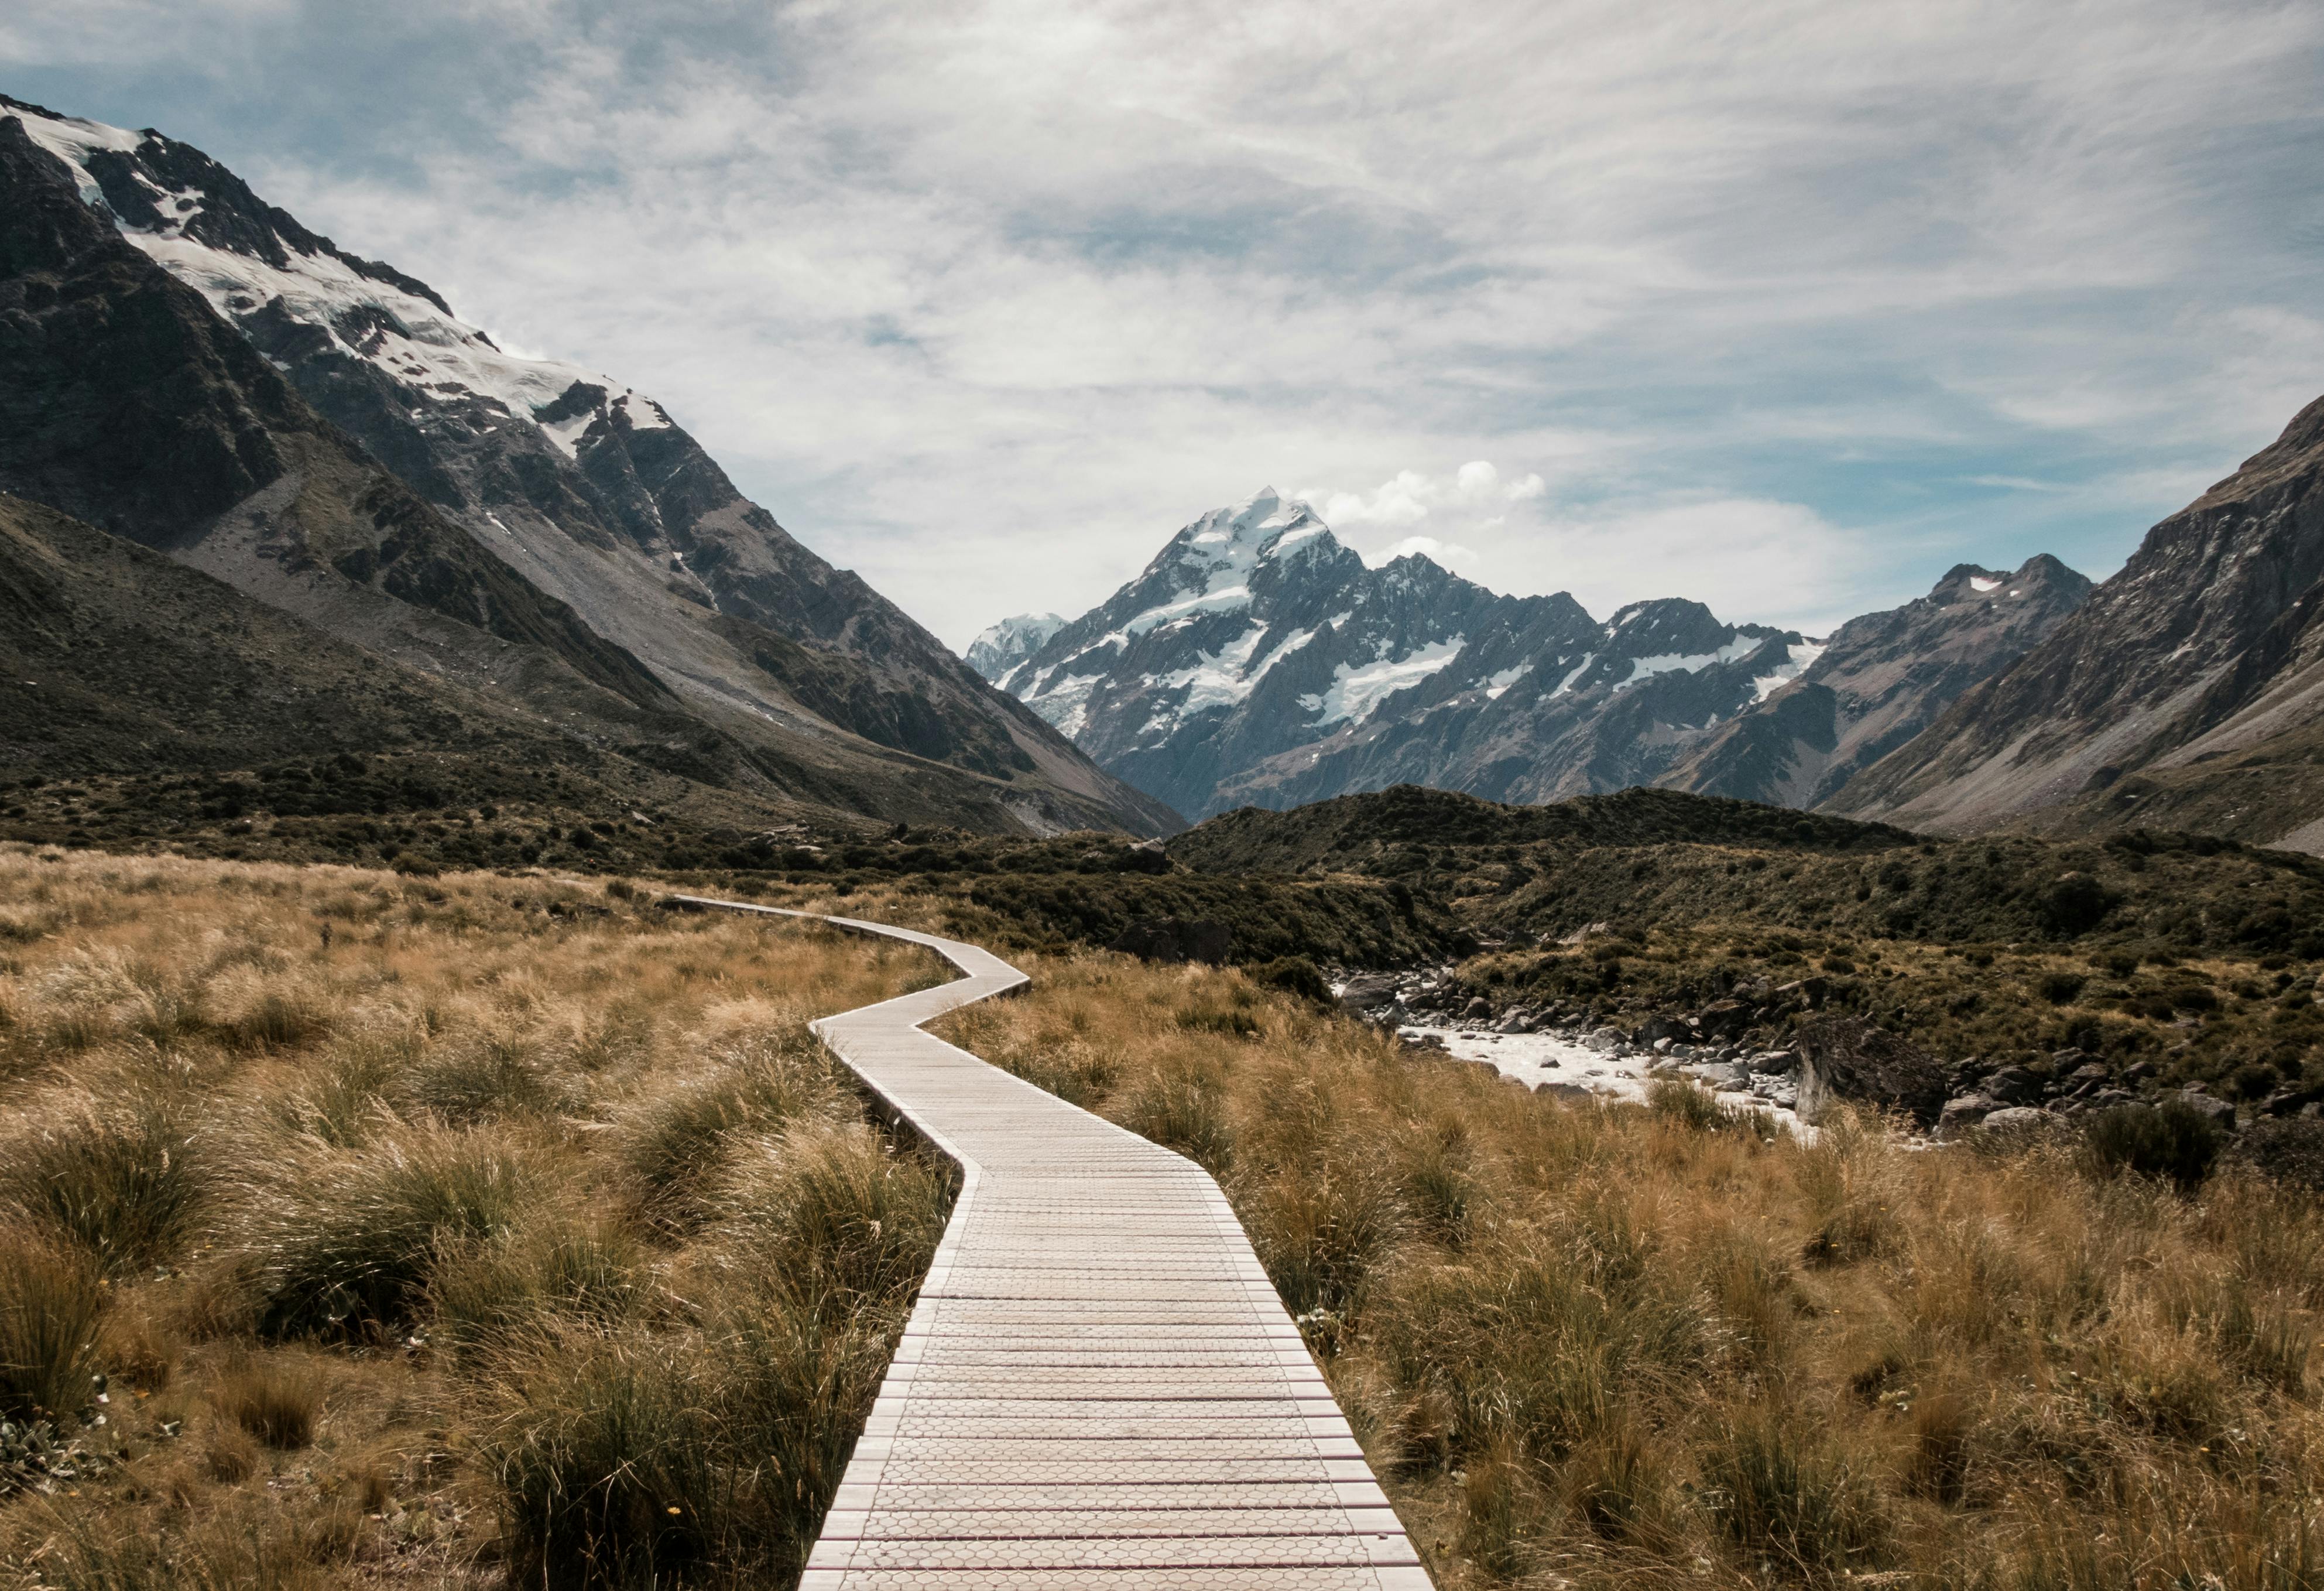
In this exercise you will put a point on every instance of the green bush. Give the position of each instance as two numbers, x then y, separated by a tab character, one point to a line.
1295	975
2171	1140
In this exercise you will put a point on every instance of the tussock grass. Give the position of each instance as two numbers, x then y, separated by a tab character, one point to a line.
123	1178
277	1399
439	1230
1654	1346
52	1300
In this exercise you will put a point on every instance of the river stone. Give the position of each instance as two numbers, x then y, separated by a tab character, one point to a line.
1845	1060
1959	1114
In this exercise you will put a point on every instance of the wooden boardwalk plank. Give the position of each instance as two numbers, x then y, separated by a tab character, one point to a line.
1099	1389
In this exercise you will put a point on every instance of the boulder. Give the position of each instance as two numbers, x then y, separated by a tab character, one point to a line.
1664	1030
1725	1019
2289	1102
1370	991
1845	1060
1809	991
1962	1112
1774	1060
1571	1093
2016	1118
2217	1111
2013	1085
1175	939
1478	1009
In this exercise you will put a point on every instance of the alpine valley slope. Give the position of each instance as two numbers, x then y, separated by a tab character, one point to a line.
1877	681
2187	693
190	367
1258	661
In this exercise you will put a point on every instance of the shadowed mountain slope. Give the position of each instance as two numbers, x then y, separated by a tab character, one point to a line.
185	365
1877	681
2188	691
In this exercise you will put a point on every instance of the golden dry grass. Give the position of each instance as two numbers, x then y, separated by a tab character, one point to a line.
477	1231
360	1229
1656	1347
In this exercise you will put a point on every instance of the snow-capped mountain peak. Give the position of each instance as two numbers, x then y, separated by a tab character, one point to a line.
1257	657
277	281
1000	647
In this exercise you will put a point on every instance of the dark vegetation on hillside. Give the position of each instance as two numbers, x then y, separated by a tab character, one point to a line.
2194	954
423	813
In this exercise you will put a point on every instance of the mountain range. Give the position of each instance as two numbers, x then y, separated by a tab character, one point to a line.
1257	660
186	367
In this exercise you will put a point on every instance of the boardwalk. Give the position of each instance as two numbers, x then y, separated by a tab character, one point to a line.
1099	1387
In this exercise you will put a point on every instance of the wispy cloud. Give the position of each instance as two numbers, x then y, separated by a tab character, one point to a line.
985	299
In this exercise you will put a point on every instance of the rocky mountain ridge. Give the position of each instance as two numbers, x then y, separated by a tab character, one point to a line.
253	379
1257	660
1877	681
2187	692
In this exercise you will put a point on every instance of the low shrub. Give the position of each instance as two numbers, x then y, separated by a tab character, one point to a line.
2171	1141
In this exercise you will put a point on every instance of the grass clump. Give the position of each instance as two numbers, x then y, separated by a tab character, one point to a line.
51	1302
276	1400
124	1180
345	1242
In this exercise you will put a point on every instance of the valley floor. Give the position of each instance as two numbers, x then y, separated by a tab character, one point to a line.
493	1230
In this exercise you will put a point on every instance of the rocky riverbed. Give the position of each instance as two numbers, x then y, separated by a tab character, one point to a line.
1575	1064
1778	1049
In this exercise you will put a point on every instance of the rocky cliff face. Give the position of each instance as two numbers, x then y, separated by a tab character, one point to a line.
2188	691
1877	681
1257	660
187	365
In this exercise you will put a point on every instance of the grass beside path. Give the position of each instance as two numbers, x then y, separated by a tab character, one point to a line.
361	1229
1656	1346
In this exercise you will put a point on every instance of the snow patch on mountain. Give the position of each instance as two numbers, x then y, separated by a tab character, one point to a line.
1802	658
1216	680
1065	704
1000	648
428	351
1672	662
1498	684
1354	692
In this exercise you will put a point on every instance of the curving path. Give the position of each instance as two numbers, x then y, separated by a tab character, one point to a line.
1098	1388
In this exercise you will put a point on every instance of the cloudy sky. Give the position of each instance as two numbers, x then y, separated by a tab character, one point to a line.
1787	307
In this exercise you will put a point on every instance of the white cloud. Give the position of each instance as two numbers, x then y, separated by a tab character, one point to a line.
1412	496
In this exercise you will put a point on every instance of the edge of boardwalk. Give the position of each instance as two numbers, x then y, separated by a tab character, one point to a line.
1392	1565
